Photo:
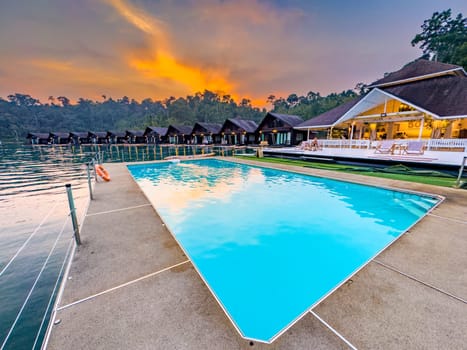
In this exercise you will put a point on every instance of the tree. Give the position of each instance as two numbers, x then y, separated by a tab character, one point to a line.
292	99
65	101
361	88
23	100
443	38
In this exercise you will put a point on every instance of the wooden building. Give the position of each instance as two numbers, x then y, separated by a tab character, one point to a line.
59	138
156	134
179	134
98	137
278	129
237	131
116	137
37	138
79	138
135	136
206	133
422	100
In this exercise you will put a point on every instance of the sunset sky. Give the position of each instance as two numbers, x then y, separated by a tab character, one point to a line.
246	48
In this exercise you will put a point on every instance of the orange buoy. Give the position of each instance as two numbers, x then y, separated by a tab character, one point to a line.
100	170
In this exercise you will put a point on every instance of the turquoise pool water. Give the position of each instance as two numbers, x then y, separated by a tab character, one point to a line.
272	244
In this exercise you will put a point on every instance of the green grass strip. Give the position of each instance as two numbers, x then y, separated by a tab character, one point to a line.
361	170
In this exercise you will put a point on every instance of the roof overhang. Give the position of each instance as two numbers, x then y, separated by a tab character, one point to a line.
373	99
421	77
313	127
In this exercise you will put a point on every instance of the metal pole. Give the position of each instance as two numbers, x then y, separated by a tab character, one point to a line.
94	168
89	181
74	220
461	171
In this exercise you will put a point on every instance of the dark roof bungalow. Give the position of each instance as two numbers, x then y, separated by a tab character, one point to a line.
117	137
156	134
424	99
179	134
206	133
98	137
135	136
37	138
60	138
278	129
237	131
329	118
79	138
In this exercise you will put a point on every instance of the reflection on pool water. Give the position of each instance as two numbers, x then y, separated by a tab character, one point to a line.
272	244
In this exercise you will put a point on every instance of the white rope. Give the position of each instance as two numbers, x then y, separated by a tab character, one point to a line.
34	285
65	259
118	210
27	241
120	286
58	299
333	330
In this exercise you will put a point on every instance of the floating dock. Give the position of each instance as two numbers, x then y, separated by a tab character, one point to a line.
131	287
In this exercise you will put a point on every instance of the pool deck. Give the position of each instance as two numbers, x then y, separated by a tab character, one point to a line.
131	287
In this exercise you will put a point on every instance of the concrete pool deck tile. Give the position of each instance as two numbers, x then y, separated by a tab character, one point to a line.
427	252
378	309
119	247
118	193
382	309
173	310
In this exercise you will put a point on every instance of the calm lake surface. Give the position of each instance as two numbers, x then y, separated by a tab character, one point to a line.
35	234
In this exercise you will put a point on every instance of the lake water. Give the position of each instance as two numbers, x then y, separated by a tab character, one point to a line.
35	234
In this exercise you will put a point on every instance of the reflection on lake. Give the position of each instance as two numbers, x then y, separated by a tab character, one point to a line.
35	234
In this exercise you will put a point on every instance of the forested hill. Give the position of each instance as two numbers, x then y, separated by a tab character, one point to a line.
20	114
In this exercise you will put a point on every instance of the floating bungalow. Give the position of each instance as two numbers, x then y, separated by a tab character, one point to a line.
98	137
206	133
135	136
278	129
37	138
179	134
60	138
79	138
156	134
237	131
116	137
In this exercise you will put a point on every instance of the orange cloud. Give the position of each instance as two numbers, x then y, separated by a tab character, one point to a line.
163	63
50	64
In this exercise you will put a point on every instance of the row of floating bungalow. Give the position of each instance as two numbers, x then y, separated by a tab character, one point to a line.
423	100
275	128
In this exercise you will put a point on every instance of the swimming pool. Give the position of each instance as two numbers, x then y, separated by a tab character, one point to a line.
271	244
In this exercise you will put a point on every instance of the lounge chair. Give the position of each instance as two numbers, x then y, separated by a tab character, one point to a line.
305	146
414	147
386	146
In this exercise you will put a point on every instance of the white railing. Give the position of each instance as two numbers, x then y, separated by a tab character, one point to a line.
447	144
343	143
431	144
